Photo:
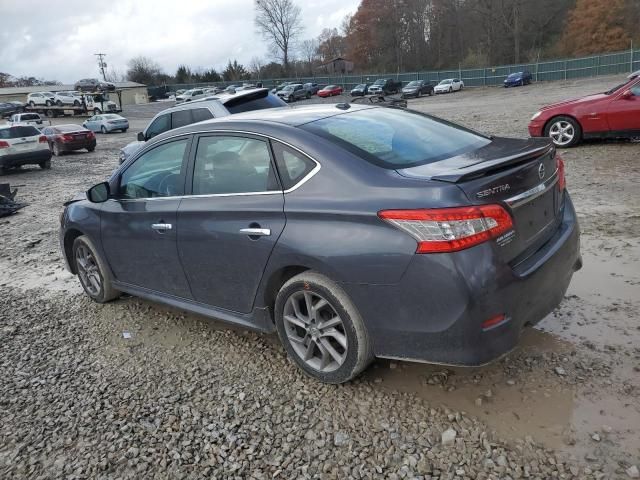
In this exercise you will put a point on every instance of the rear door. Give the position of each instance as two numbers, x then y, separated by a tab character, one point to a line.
230	222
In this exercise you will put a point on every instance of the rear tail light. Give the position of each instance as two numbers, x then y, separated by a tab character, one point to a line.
4	144
42	139
562	182
450	229
90	135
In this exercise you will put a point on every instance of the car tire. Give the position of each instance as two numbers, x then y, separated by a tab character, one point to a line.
96	111
419	93
32	104
124	130
46	165
348	339
103	129
564	131
92	272
48	103
76	103
450	89
59	103
90	149
56	150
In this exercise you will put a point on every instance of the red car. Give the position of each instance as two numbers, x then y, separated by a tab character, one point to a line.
66	138
612	114
330	91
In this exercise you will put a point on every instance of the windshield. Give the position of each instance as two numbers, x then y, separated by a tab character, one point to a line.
380	82
615	89
394	138
515	75
329	87
361	86
68	128
18	132
415	83
445	82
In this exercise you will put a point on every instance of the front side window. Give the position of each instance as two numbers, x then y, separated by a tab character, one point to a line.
293	166
157	173
394	138
636	90
230	164
158	126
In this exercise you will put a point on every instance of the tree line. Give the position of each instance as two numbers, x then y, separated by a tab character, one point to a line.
410	35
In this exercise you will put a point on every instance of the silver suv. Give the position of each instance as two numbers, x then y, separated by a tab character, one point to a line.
214	106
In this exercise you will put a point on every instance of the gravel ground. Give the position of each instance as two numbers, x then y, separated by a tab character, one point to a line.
81	401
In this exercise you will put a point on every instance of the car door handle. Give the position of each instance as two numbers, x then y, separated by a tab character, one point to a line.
161	226
256	232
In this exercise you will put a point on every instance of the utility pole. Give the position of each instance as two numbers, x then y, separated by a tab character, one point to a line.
102	64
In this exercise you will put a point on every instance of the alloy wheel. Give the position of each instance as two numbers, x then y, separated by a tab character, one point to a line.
562	132
88	270
315	331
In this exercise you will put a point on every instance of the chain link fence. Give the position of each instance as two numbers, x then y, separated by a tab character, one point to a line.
565	69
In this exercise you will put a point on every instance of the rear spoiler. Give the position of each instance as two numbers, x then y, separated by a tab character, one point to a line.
488	167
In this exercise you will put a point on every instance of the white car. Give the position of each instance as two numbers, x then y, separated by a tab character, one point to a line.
449	85
67	98
190	95
106	123
23	145
41	98
26	119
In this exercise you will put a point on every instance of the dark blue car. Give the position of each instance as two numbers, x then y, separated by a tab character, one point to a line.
518	79
353	231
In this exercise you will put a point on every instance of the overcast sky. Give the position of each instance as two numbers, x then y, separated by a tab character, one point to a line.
57	40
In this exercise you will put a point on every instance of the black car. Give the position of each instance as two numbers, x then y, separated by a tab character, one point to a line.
354	233
360	90
93	85
9	108
417	88
385	86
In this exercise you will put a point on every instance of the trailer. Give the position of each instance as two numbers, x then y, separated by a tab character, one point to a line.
92	103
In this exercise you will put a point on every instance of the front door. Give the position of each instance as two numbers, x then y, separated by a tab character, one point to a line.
624	113
230	223
138	226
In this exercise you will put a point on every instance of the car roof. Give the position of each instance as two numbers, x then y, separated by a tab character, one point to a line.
634	74
293	116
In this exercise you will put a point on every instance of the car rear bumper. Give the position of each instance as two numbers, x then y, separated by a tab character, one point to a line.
435	313
71	146
122	126
33	157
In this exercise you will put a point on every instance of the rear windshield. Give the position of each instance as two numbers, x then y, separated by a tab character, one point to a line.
254	101
394	138
68	128
18	132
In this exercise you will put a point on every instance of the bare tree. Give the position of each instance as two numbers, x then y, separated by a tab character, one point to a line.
280	23
255	67
143	70
309	52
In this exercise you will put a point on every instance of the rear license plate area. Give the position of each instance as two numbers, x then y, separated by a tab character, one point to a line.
537	215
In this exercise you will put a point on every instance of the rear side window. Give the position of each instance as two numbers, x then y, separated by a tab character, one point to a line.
30	116
181	118
230	164
292	165
18	132
200	114
394	138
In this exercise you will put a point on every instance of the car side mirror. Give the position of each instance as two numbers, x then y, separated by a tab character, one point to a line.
627	94
141	137
99	193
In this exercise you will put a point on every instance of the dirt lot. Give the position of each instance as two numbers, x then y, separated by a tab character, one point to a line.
189	398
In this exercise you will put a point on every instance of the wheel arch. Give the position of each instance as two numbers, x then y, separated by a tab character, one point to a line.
70	237
275	281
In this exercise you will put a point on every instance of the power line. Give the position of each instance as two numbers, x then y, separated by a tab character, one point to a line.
102	64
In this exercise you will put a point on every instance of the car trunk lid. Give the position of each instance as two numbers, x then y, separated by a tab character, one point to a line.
518	174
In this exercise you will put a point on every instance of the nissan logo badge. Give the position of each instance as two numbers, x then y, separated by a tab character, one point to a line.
541	171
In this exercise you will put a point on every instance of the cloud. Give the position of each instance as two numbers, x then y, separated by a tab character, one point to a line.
194	32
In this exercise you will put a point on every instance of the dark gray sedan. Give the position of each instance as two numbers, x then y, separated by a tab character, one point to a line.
353	231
